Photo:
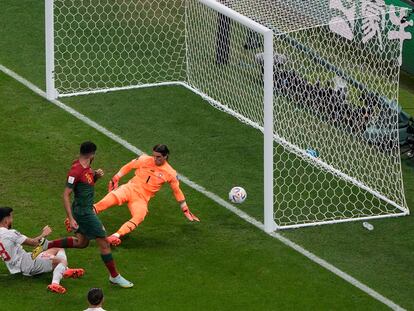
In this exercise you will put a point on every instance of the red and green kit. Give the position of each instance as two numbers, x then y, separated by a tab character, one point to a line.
82	181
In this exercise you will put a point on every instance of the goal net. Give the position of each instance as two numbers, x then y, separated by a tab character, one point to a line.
335	110
319	78
104	44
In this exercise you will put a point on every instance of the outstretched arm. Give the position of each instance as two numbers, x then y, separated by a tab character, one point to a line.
113	183
187	213
179	196
35	241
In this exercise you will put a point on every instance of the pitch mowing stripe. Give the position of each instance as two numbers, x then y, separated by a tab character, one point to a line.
211	195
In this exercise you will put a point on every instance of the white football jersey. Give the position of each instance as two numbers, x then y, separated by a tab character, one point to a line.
11	250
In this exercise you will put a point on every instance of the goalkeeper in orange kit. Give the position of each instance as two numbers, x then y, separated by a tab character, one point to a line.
151	172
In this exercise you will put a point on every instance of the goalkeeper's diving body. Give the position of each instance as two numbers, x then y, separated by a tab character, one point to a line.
151	172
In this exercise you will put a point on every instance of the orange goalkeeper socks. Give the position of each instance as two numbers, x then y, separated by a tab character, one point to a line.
127	227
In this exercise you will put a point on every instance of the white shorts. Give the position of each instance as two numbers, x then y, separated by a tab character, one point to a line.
42	264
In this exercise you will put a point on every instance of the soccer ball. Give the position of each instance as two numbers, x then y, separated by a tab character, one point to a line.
237	195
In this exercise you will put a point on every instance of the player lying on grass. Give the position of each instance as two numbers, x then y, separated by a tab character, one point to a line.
151	172
81	217
18	260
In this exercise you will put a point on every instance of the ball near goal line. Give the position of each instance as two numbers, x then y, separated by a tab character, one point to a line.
237	195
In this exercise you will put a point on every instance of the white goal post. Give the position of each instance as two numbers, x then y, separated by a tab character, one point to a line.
323	91
267	33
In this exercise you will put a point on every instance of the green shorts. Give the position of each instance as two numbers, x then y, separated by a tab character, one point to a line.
90	226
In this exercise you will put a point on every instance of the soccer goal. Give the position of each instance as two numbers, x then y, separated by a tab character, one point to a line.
318	78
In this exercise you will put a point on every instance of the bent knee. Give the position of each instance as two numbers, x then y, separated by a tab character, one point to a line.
139	216
82	243
103	243
85	244
58	260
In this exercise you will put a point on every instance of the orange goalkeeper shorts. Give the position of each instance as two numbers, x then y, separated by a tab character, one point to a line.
136	199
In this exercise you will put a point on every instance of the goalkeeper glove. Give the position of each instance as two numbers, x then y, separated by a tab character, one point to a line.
113	183
190	216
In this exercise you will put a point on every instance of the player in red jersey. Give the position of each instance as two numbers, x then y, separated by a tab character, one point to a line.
81	217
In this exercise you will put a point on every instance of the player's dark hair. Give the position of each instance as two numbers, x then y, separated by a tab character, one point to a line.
95	296
87	147
163	149
4	212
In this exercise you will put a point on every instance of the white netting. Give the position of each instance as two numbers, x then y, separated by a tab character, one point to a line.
331	96
284	16
102	44
336	153
220	65
336	117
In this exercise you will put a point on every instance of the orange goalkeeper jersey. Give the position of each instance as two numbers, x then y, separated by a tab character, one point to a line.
149	177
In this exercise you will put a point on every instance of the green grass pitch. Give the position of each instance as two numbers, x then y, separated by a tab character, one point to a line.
221	263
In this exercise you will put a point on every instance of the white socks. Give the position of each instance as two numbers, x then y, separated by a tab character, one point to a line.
61	254
58	273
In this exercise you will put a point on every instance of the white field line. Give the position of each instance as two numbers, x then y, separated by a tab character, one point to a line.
211	195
